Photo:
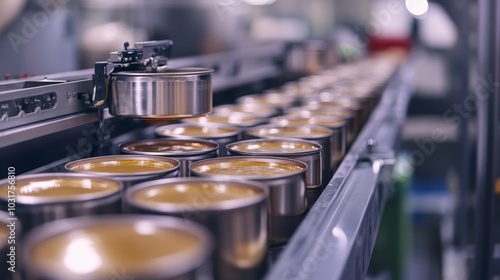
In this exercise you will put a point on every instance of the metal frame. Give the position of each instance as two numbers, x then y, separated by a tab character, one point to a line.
336	238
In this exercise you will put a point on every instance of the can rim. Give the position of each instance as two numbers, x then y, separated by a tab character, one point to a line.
214	147
255	119
328	132
230	147
176	165
38	200
170	72
341	122
267	159
166	266
169	207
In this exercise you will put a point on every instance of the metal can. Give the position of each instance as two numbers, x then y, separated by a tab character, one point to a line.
234	211
351	123
319	134
306	151
335	124
284	178
130	169
239	119
222	134
138	247
186	151
40	198
256	109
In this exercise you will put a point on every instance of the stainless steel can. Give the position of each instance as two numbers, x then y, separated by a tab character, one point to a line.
239	119
335	124
41	198
222	134
319	134
129	169
138	247
351	123
186	151
234	211
284	178
9	228
174	93
306	151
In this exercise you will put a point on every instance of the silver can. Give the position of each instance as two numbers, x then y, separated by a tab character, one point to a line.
139	247
242	120
335	124
174	93
186	151
221	134
275	99
284	178
129	169
319	134
41	198
306	151
234	211
351	123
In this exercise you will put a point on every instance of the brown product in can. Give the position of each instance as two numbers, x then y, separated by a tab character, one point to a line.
336	124
41	198
318	134
186	151
130	169
238	119
235	212
138	246
306	151
275	99
284	178
341	112
222	134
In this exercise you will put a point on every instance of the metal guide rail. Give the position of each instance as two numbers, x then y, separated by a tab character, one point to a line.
336	238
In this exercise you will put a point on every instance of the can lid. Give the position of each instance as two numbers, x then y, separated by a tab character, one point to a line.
58	187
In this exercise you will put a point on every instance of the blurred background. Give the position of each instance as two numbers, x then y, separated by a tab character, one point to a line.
435	211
